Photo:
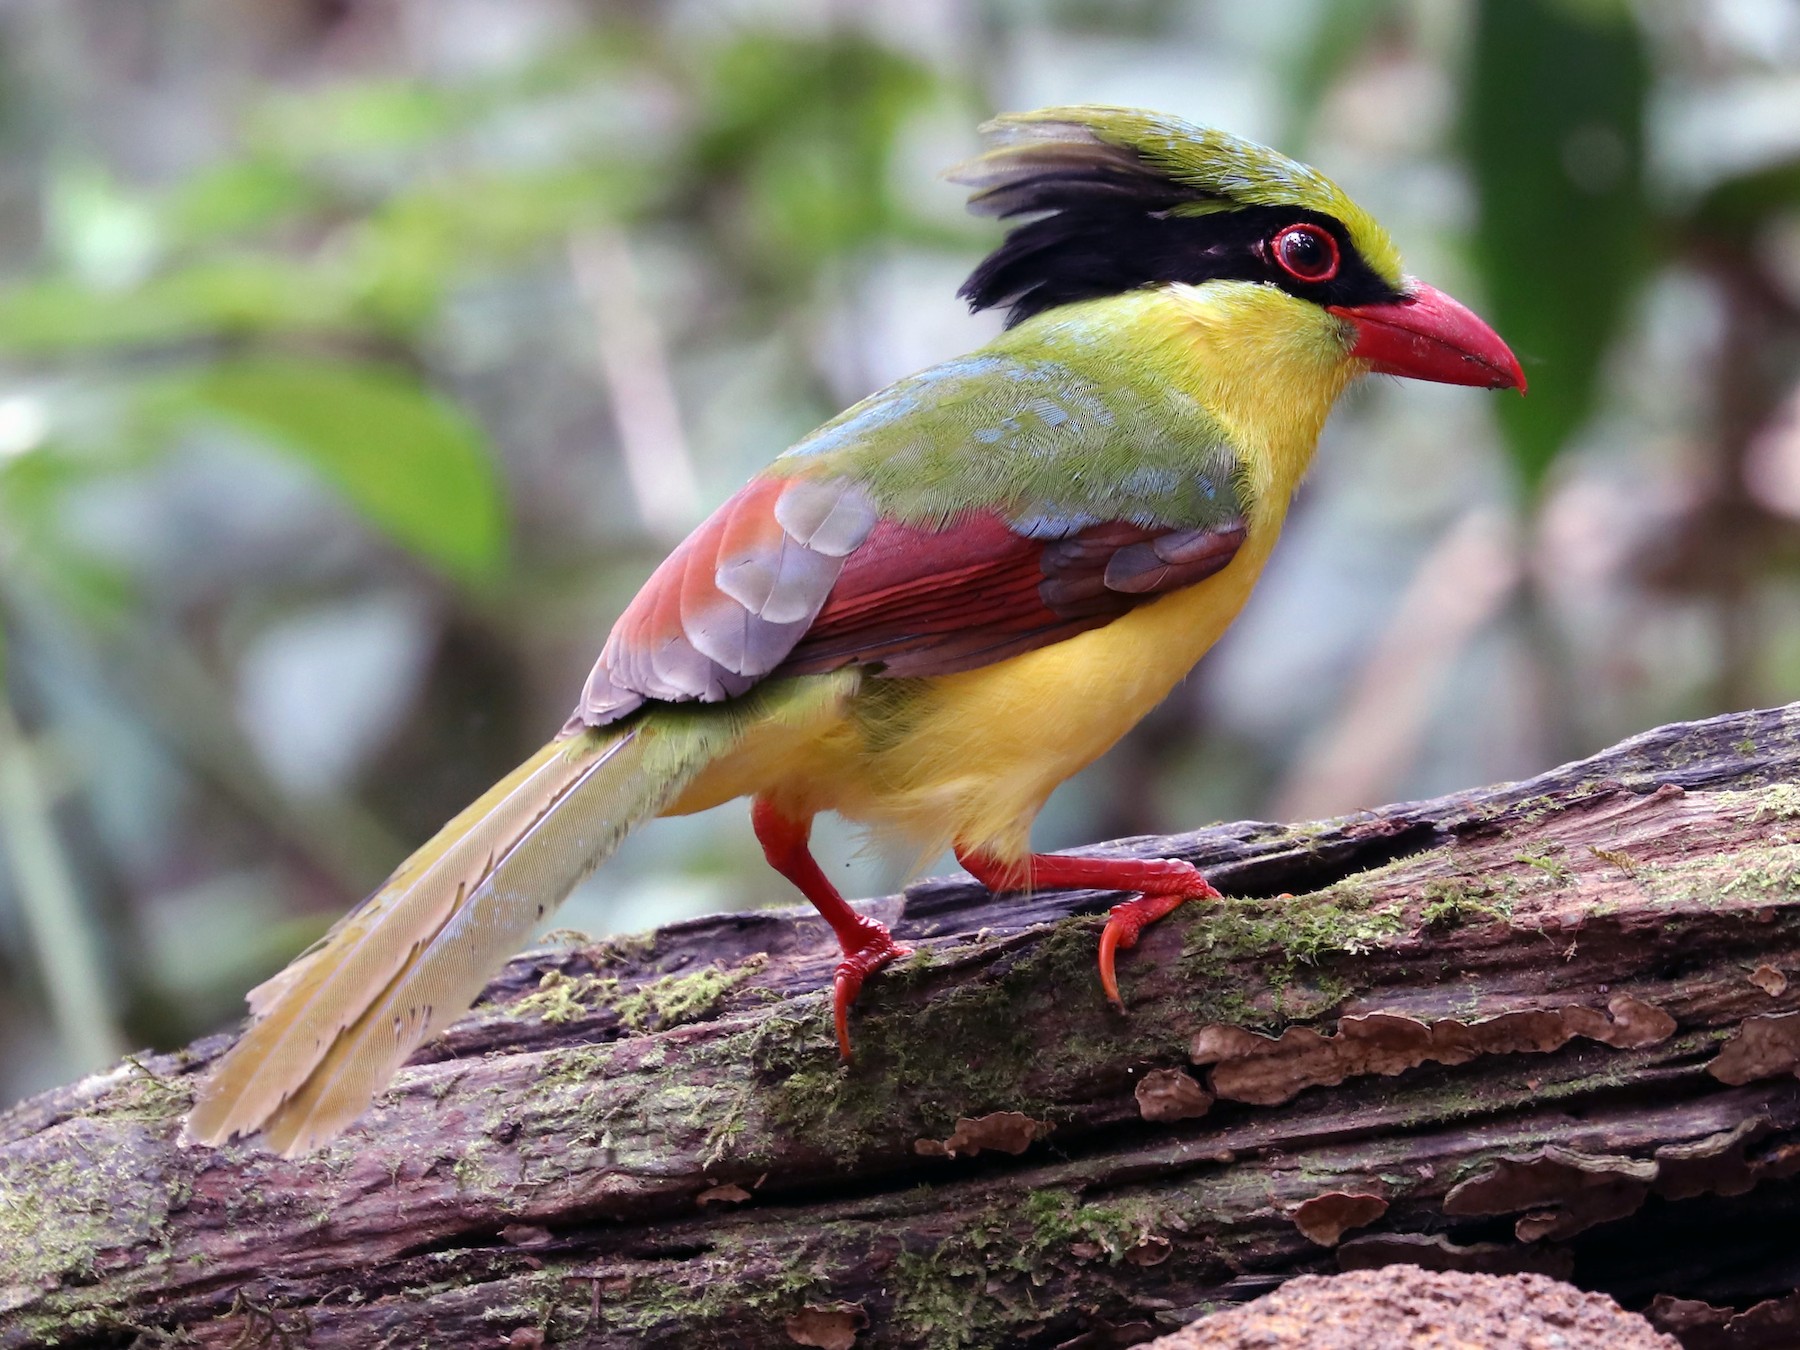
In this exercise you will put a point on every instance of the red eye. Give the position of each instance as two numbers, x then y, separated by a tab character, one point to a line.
1305	252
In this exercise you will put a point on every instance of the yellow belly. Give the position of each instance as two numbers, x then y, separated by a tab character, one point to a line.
971	758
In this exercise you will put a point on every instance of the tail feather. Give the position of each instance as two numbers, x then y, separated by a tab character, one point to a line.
333	1027
304	1011
481	820
562	844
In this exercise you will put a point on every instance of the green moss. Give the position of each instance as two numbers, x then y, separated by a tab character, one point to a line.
896	1085
58	1214
142	1095
580	1064
1781	802
967	1050
625	949
678	999
739	1278
1768	877
1450	902
474	1174
666	1002
563	998
923	965
1541	858
57	1316
984	1280
1261	962
1768	874
1057	1220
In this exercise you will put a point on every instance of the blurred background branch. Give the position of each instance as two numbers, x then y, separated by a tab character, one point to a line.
358	358
635	366
60	938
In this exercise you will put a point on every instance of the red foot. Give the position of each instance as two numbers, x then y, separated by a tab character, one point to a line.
877	949
866	943
1163	885
1123	925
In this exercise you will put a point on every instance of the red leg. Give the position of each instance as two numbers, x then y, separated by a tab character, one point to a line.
866	943
1163	884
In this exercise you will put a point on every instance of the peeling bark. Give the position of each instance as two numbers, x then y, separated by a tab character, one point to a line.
1543	1027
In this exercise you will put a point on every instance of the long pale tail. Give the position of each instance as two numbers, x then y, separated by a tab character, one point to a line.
335	1026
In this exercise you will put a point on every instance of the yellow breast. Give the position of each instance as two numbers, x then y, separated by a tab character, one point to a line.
970	758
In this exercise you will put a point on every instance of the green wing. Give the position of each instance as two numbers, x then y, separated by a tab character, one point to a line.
1057	424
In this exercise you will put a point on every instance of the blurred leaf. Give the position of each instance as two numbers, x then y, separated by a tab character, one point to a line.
59	313
104	232
230	294
1114	18
235	198
1554	123
800	134
409	462
33	488
424	238
1337	36
402	258
388	115
1738	206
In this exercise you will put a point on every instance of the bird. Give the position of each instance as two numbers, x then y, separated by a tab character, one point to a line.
931	611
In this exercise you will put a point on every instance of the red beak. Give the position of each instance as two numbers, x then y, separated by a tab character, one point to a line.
1426	335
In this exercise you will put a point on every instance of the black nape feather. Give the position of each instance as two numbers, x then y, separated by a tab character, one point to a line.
1066	181
1110	231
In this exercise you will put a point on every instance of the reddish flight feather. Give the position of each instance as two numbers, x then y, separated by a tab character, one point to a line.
932	602
799	576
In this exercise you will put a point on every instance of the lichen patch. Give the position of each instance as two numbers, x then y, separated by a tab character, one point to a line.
1268	1070
1563	1191
827	1328
1765	1046
1002	1131
1325	1219
1167	1095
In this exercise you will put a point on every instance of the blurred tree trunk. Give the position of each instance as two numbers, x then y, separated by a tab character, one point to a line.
1544	1026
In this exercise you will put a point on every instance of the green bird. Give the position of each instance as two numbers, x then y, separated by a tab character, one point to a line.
936	607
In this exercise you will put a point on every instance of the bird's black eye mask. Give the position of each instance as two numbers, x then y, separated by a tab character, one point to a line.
1095	249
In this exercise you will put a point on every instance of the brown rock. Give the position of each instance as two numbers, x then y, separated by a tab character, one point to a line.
1405	1308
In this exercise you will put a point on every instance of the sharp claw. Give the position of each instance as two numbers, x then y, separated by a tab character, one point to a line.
1126	922
1109	980
852	970
843	994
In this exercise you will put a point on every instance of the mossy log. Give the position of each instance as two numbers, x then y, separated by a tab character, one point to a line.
1549	1026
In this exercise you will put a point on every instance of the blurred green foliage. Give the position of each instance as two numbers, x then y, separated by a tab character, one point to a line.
795	141
411	463
1553	115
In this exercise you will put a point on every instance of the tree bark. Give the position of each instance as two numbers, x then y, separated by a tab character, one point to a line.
1547	1026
